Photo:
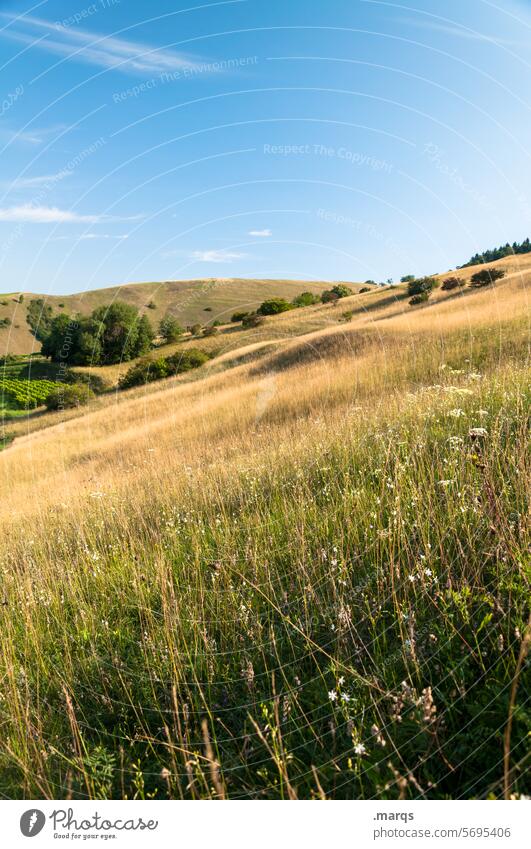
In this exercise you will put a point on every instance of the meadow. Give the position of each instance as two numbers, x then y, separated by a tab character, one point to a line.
301	572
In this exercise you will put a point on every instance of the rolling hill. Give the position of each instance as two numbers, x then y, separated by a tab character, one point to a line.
300	571
191	301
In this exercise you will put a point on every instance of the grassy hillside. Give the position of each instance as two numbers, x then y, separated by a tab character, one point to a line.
190	301
299	572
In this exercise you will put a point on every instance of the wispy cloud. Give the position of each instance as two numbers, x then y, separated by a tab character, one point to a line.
263	234
457	31
89	236
34	137
95	49
30	214
216	256
42	180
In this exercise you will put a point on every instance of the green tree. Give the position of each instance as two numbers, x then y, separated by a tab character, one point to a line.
124	336
274	306
39	316
145	336
421	285
61	342
170	329
486	277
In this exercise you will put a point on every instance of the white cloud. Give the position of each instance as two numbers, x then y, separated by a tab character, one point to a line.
100	50
29	214
261	233
36	182
215	256
37	136
90	236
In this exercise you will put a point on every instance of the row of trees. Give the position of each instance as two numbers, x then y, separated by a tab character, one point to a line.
275	306
111	334
499	253
420	289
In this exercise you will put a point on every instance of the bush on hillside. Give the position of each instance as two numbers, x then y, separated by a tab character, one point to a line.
364	289
342	290
408	278
274	306
196	329
419	299
210	330
452	283
183	361
5	322
145	371
253	320
238	316
420	286
306	299
95	382
148	370
68	396
329	297
151	305
486	277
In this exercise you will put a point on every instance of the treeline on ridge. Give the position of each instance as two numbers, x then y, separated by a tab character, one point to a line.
499	253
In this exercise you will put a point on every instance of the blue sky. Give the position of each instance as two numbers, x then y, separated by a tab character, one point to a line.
331	139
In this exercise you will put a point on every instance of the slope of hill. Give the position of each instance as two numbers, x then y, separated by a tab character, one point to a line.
299	572
190	301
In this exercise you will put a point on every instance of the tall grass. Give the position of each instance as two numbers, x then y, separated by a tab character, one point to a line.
308	580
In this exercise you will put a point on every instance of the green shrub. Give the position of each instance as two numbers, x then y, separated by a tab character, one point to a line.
274	306
347	316
196	329
148	370
253	320
486	277
306	299
184	361
68	396
151	305
210	330
408	278
419	299
420	286
95	382
145	371
329	297
5	322
452	283
238	316
364	289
